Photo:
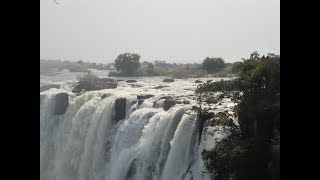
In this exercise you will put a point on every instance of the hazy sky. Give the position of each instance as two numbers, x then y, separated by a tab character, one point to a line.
178	31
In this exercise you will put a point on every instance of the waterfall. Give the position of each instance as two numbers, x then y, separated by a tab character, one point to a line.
86	143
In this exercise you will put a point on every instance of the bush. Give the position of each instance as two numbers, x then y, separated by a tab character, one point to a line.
88	81
219	86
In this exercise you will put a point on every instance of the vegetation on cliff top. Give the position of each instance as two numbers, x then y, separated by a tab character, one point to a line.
253	151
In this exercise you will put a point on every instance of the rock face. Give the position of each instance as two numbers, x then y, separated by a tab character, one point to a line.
141	98
160	87
198	81
77	89
166	97
49	86
168	103
202	118
120	109
103	96
186	102
131	81
144	96
140	101
168	80
61	103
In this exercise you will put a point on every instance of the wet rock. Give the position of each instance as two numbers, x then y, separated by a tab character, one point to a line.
160	87
140	101
144	96
166	97
197	81
168	103
120	109
202	118
61	103
186	102
120	80
168	80
131	81
178	102
105	83
155	104
103	96
206	115
195	108
49	86
77	89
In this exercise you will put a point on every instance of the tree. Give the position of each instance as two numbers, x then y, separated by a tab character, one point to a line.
150	69
213	65
127	64
236	67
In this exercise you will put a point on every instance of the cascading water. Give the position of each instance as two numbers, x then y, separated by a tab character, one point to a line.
87	143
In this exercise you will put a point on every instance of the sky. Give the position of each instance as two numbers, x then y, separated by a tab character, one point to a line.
180	31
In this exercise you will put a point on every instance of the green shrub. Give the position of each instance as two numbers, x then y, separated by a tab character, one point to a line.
88	81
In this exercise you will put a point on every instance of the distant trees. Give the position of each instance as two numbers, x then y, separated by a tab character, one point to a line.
127	64
213	65
236	67
150	68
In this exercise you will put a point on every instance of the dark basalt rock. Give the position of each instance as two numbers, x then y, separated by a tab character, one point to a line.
103	96
202	118
168	103
49	86
168	80
144	96
206	115
166	97
106	83
61	103
160	87
186	102
131	81
77	89
197	81
120	109
140	101
178	102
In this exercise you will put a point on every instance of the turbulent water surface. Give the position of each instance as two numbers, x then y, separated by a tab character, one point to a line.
86	143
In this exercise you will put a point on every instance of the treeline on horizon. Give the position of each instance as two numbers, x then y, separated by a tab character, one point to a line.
129	65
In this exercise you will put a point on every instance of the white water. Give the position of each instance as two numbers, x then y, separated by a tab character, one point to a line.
149	144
